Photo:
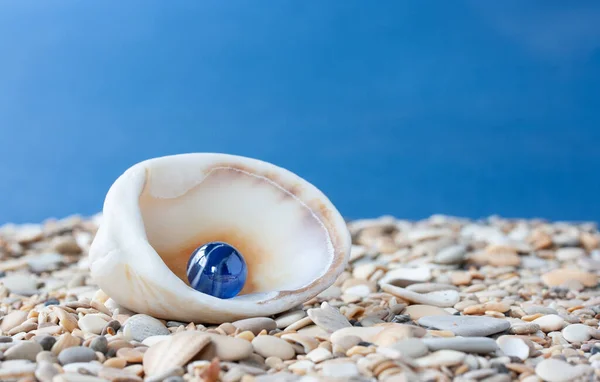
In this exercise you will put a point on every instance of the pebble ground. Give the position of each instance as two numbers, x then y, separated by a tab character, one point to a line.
443	299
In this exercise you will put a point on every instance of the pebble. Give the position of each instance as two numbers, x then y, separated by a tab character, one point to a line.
99	344
269	346
558	277
442	299
514	347
15	370
92	323
410	347
227	348
120	375
405	276
76	354
454	254
21	284
550	323
83	367
328	318
417	311
141	326
577	333
555	370
441	358
481	345
339	370
23	350
45	371
256	324
318	355
12	320
467	326
176	351
289	318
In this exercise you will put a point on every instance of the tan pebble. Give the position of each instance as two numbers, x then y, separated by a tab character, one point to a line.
65	341
246	335
117	363
359	350
299	324
460	278
227	328
288	318
25	327
441	333
66	320
558	277
377	370
393	333
13	319
505	259
268	346
118	344
308	343
461	306
574	308
175	351
491	313
417	311
273	362
130	355
325	345
489	306
462	369
120	375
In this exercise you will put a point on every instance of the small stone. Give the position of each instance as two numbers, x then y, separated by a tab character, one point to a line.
92	323
176	351
328	318
130	355
45	262
467	326
555	370
365	334
513	346
460	278
256	324
269	346
442	299
451	255
481	345
119	375
83	368
319	355
21	284
76	354
12	320
339	370
558	277
141	326
45	371
417	311
577	333
410	347
405	276
24	350
176	372
15	370
550	323
99	344
441	358
46	356
288	318
569	253
346	342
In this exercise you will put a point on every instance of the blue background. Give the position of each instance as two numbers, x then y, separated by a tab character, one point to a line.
408	108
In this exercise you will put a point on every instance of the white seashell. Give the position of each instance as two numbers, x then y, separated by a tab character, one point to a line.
294	241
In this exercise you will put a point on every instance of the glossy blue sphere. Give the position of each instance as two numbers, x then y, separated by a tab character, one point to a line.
217	269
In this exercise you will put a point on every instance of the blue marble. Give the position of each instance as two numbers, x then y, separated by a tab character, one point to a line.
217	269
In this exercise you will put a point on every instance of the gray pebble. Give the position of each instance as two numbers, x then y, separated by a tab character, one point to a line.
467	326
99	344
23	350
255	324
482	345
76	354
114	324
451	255
141	326
46	342
5	339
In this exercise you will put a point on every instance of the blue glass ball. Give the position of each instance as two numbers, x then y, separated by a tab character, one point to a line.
217	269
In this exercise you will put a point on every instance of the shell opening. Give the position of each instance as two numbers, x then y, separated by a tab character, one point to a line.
284	244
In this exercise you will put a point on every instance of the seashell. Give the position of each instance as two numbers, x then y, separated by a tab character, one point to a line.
294	241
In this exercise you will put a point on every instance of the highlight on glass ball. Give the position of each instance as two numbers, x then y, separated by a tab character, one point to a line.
217	269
